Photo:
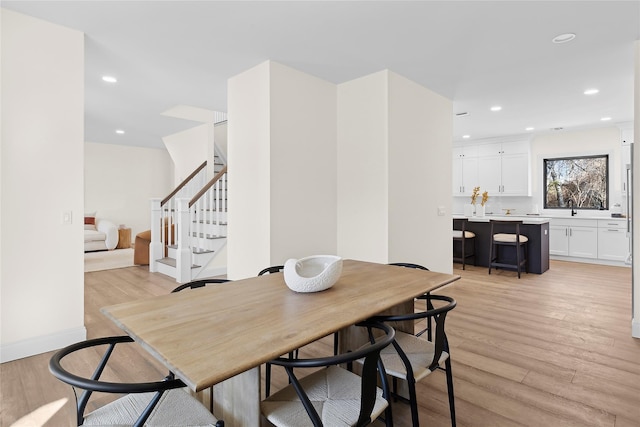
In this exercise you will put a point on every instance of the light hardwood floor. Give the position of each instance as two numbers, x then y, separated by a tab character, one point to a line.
546	350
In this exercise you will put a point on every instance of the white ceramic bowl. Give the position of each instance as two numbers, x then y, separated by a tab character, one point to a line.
312	274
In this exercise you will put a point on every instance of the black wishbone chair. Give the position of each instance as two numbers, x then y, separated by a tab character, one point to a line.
427	329
199	284
334	390
267	369
271	270
413	358
157	403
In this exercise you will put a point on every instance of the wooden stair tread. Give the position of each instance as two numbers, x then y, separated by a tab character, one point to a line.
171	262
194	250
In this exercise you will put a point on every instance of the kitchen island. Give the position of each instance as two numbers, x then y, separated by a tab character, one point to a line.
534	227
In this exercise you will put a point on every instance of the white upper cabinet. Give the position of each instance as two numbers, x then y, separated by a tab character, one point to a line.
465	169
504	168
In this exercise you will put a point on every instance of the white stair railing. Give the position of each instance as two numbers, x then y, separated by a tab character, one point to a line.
164	214
208	211
190	224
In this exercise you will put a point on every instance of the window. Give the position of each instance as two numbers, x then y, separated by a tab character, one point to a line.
579	182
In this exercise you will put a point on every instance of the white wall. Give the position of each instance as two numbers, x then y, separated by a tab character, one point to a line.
220	137
420	135
392	137
282	168
363	168
42	275
249	230
121	180
577	143
188	149
303	165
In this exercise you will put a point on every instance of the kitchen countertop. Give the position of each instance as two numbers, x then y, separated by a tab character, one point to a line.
526	219
535	219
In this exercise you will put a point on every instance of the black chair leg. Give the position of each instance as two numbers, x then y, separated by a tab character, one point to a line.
413	401
518	259
462	250
491	249
267	380
452	407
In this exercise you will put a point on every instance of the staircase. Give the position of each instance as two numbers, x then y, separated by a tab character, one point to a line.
189	226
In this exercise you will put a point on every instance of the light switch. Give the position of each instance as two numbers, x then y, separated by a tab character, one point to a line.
441	211
67	217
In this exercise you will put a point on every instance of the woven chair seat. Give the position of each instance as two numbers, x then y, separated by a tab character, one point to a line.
335	394
418	350
176	408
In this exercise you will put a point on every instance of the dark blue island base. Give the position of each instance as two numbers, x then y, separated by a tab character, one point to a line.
538	245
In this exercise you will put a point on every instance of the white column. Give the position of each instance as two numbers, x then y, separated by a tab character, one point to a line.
42	175
282	168
183	253
394	172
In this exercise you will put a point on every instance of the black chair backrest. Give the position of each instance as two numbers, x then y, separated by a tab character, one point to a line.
372	364
409	265
271	270
460	225
199	284
438	314
89	385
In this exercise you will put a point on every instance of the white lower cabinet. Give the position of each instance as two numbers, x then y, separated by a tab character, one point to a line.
597	239
574	238
613	242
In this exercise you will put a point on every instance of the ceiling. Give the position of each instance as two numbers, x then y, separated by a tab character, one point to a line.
476	53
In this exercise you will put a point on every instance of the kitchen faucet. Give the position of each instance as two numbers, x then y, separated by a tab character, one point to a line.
573	211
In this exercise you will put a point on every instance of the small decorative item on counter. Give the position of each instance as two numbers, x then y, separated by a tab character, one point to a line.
474	195
485	197
481	210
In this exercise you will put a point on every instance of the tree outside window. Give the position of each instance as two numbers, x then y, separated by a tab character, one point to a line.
579	181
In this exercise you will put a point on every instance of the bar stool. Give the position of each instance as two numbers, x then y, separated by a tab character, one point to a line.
498	258
467	241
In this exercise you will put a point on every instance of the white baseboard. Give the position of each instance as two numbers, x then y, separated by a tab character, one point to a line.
43	344
635	328
590	261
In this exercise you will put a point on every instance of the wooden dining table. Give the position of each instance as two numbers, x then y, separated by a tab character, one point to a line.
220	335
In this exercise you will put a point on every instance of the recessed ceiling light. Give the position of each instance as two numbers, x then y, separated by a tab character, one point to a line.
605	119
119	131
563	38
109	79
591	91
529	128
466	136
496	108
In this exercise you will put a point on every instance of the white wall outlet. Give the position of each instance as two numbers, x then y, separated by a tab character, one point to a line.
67	218
441	211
